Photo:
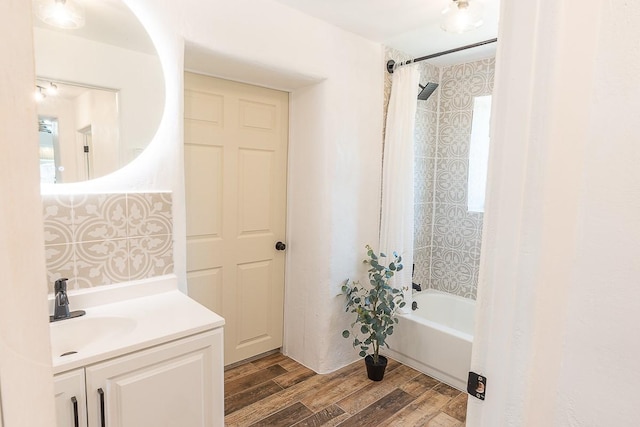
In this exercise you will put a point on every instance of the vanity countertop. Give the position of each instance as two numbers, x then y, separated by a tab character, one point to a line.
124	325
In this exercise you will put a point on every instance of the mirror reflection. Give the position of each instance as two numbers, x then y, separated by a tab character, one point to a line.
77	126
100	92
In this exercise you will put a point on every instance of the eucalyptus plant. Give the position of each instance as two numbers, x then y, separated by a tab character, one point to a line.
375	306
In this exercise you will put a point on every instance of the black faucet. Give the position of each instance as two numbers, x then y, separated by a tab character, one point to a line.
414	286
61	303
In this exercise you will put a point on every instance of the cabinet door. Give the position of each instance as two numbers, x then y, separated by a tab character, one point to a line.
71	405
174	384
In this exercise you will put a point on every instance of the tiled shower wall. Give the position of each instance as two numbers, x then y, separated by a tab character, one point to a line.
425	140
456	233
102	239
447	235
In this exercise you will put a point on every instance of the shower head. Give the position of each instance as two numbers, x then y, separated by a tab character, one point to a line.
426	91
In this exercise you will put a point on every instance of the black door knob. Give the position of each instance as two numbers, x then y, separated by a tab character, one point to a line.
280	246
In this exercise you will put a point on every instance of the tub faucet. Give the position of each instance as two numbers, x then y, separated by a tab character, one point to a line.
61	302
416	287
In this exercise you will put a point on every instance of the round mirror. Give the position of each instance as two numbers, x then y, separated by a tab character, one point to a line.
99	87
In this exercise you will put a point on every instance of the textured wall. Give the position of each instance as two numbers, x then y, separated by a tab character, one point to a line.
334	147
447	236
557	318
26	382
102	239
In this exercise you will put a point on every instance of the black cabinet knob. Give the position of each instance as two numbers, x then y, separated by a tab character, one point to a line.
280	246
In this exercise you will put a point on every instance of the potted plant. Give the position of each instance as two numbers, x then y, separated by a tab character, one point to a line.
375	307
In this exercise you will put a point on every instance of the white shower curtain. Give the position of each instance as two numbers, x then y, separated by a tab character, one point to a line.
396	229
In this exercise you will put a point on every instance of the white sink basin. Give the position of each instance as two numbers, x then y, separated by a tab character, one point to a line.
123	319
73	336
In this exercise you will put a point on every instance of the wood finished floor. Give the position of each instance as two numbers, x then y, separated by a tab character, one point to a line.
277	391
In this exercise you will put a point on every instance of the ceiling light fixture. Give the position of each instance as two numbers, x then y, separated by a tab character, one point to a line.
68	14
462	16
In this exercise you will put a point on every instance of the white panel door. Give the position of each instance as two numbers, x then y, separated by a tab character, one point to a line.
235	175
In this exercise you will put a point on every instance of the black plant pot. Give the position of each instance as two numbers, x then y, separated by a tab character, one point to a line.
375	372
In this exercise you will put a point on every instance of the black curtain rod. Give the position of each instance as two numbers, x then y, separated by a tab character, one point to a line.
391	64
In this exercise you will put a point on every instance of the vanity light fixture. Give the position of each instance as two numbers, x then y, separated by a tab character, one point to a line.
52	89
462	16
39	94
67	14
43	90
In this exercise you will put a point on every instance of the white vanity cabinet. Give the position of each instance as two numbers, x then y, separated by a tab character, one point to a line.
71	404
179	383
144	354
173	384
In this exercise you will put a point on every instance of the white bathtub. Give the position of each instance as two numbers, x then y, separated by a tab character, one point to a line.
436	338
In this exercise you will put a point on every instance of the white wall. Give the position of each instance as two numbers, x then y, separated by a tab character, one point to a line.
25	356
335	79
558	307
558	295
335	146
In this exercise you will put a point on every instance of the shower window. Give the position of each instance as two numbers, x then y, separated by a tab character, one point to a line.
479	153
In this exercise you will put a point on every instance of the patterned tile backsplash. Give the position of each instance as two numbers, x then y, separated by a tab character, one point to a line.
102	239
448	237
